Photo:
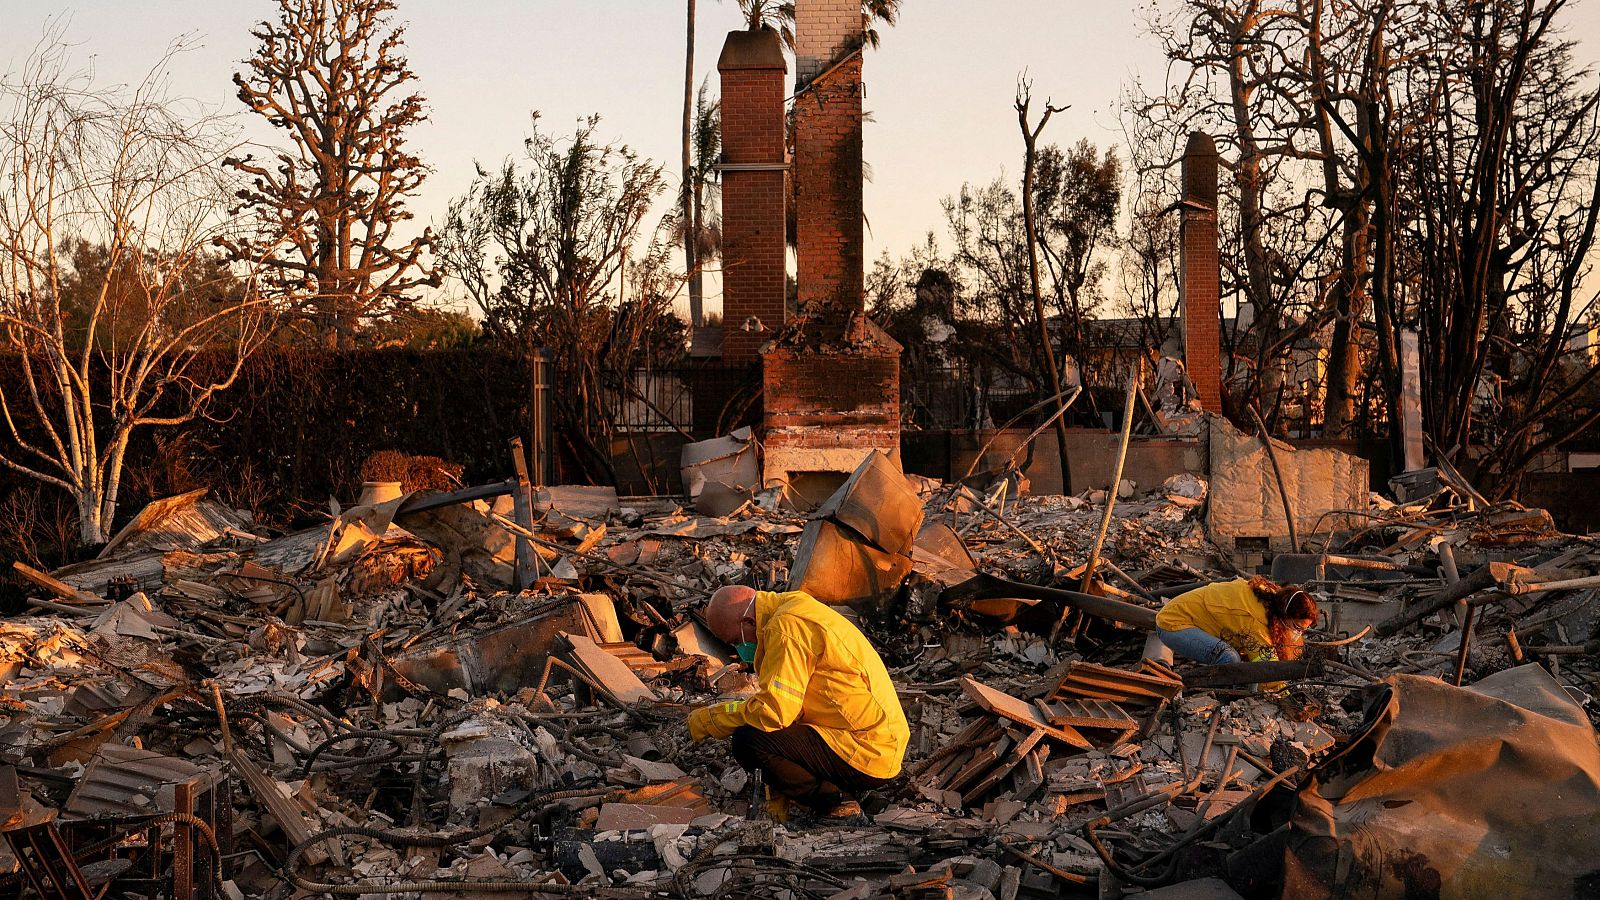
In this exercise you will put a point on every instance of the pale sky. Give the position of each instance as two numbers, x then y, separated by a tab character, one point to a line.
939	89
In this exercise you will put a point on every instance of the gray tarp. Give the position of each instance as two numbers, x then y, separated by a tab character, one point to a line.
1487	791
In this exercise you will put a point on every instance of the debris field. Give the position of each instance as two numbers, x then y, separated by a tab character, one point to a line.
483	693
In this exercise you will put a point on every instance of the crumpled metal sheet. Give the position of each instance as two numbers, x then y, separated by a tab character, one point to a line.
499	660
1491	790
839	568
878	503
127	781
722	474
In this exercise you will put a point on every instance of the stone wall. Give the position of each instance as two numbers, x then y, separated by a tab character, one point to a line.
1244	503
946	455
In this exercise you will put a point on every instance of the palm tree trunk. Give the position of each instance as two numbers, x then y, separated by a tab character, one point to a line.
691	234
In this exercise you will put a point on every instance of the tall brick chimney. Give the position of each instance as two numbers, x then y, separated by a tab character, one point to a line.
753	198
831	377
828	182
1201	287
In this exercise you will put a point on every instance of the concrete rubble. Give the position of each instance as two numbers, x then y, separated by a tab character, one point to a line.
365	707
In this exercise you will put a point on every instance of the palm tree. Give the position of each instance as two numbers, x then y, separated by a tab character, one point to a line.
776	14
779	14
691	263
873	12
701	229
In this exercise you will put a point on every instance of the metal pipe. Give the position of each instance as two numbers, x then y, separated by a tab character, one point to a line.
1277	473
1036	862
1490	575
1116	486
1466	641
1516	588
982	586
1132	582
1357	562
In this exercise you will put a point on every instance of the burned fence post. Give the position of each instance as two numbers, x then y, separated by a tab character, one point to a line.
522	509
541	450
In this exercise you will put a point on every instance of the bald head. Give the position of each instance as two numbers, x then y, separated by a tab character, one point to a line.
730	612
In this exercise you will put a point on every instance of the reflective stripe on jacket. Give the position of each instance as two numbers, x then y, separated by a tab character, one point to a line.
813	666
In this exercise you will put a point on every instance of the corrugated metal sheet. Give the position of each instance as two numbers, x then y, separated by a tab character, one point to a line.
127	781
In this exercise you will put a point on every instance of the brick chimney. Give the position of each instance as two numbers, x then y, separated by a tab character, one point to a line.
827	111
1201	287
831	377
753	167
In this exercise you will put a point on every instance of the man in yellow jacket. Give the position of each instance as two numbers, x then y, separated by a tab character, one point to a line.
826	721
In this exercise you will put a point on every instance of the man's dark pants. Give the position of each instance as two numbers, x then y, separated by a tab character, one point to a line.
797	763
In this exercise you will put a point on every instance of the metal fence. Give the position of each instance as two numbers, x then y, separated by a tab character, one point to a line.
654	401
962	396
703	400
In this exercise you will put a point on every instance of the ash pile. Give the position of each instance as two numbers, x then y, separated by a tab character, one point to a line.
483	693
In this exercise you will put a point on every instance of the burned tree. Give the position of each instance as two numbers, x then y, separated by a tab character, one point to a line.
1496	228
1030	225
1077	196
546	251
331	74
1238	77
1437	164
119	315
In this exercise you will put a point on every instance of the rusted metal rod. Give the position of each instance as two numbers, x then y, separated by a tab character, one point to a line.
1277	474
1540	587
1111	495
1514	647
1466	641
1357	562
1494	574
1030	859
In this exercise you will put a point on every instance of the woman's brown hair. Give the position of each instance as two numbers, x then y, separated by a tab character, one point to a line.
1284	604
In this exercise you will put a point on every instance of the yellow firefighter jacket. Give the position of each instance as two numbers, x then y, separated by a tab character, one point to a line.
814	667
1228	610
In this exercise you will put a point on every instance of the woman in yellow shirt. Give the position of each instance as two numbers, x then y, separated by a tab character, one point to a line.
1237	621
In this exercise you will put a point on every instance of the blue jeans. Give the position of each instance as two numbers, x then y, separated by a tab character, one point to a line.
1199	645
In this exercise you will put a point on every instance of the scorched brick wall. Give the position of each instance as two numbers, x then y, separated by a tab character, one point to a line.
753	155
828	204
1201	289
